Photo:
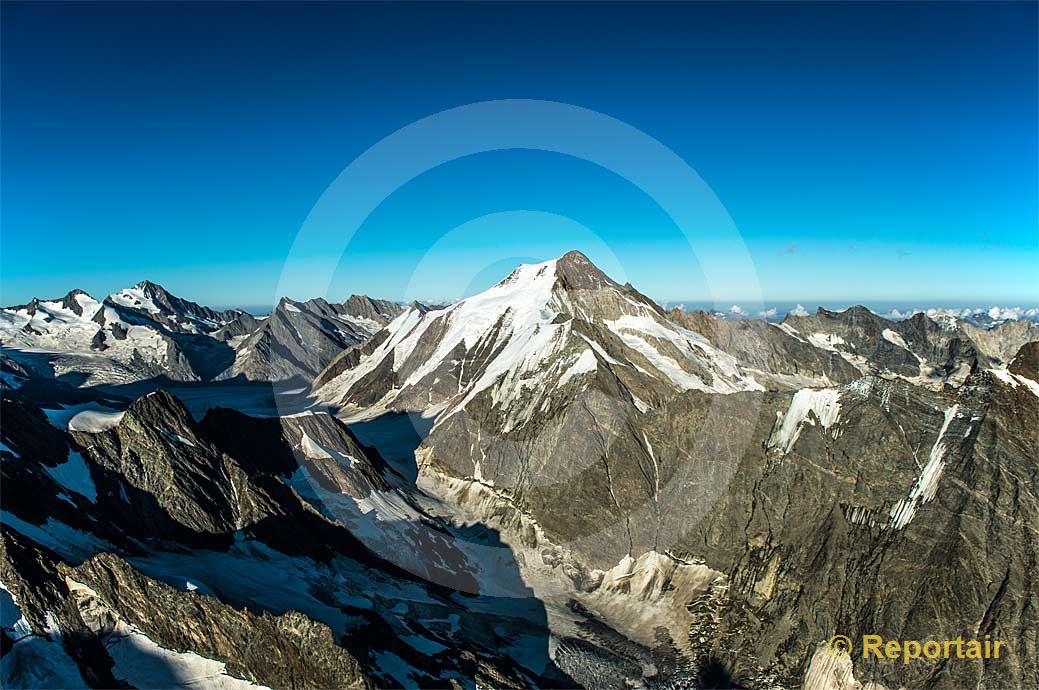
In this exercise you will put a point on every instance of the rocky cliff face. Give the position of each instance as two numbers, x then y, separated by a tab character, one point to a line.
774	352
874	526
144	548
110	625
878	507
299	339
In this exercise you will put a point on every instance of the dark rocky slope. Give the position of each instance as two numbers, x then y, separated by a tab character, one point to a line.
299	339
268	517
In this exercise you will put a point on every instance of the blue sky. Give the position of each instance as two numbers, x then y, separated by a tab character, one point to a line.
866	152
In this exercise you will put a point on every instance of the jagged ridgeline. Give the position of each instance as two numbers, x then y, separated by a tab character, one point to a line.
553	483
145	332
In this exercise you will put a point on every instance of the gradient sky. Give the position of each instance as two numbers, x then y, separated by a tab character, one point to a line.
867	152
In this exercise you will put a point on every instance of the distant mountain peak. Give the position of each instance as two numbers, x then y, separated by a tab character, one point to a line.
76	291
149	286
69	301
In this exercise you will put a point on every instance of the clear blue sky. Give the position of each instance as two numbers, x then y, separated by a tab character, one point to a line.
866	151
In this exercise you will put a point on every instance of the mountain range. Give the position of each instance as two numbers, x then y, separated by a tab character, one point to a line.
553	483
144	332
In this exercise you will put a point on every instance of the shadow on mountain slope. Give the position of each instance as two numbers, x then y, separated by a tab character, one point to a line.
279	555
396	435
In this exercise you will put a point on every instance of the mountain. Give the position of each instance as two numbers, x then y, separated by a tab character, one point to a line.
771	351
154	302
839	346
553	483
141	547
299	339
754	489
930	351
544	330
146	332
238	329
1001	341
136	333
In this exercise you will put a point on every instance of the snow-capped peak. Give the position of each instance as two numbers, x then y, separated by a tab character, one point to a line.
545	326
136	297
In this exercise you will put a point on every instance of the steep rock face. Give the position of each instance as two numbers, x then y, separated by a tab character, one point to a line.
26	432
151	473
175	481
12	372
910	516
855	510
299	339
271	515
379	311
1026	362
930	351
943	345
286	651
858	335
775	353
238	329
281	446
159	475
110	625
1002	341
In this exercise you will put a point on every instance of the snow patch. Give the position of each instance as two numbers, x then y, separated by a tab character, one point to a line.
11	619
926	486
144	664
95	421
895	338
823	404
1015	380
585	363
315	451
789	330
826	341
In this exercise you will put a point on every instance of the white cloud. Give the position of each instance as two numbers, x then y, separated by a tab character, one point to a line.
737	309
1006	313
799	310
768	313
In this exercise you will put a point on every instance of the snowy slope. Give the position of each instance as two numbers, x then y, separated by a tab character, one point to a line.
59	325
138	332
